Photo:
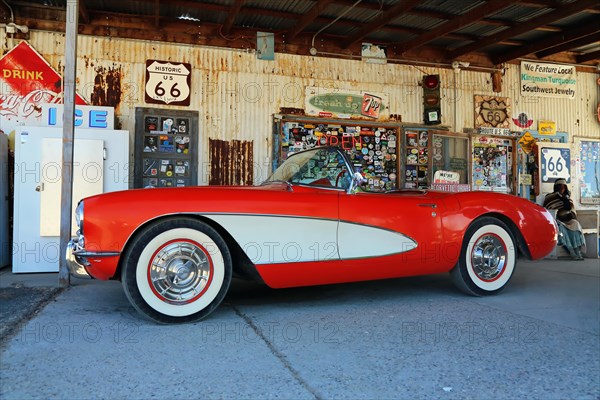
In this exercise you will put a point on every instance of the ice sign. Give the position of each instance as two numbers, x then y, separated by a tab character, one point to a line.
555	163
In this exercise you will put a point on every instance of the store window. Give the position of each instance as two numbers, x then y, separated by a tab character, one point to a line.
449	155
492	164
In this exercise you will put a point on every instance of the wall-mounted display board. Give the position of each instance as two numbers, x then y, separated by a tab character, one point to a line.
416	158
166	148
371	146
431	157
492	164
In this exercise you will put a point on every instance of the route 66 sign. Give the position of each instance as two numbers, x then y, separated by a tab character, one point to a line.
168	83
555	164
492	111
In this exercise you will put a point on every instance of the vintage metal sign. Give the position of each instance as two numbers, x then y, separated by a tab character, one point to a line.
339	103
27	81
526	142
492	111
168	83
547	127
555	164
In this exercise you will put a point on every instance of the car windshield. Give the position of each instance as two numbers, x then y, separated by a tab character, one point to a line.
323	167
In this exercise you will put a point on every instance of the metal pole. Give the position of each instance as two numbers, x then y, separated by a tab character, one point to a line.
66	199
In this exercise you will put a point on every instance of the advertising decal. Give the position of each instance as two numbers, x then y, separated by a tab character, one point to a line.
26	82
338	103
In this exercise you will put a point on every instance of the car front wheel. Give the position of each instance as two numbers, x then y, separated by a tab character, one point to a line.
176	270
487	259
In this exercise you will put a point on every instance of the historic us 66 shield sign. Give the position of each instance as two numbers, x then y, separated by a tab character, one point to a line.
168	83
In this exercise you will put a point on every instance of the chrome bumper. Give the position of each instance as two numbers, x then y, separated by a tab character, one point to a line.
76	264
77	258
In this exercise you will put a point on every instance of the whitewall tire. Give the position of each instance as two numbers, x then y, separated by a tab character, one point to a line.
488	258
176	270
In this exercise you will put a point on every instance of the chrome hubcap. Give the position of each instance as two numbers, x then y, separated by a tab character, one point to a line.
180	271
488	257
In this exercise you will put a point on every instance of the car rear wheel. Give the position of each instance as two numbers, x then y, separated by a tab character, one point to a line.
487	259
176	270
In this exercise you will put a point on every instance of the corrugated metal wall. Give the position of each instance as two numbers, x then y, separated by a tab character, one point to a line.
236	94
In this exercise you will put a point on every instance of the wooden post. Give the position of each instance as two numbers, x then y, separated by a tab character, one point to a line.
66	199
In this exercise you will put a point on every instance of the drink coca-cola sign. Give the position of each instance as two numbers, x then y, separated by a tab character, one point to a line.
26	82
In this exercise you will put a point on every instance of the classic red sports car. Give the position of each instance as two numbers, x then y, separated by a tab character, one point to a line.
175	250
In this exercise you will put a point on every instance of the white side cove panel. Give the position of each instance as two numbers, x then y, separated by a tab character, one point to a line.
273	239
88	171
361	241
268	239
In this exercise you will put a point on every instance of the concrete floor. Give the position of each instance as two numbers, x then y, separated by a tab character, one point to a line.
403	338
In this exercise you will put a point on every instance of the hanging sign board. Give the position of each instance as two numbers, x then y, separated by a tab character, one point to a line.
446	177
168	83
525	179
548	80
26	82
341	103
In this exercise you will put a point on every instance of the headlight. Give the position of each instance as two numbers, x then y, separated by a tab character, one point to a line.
79	216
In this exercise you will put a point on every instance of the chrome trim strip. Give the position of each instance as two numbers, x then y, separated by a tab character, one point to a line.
83	253
76	268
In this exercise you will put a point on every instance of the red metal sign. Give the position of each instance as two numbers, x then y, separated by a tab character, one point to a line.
371	105
26	82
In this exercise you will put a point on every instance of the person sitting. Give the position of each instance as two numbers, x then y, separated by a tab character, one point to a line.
570	232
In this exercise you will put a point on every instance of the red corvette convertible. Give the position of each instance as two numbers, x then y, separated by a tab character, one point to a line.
175	250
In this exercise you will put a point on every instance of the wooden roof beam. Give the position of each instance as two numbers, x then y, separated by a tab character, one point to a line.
309	17
194	5
233	13
573	44
583	29
458	22
391	14
84	16
526	26
592	55
156	13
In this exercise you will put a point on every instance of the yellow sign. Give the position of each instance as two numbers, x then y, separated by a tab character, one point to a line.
547	127
526	142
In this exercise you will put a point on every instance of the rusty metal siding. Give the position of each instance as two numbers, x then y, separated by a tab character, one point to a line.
231	163
236	94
